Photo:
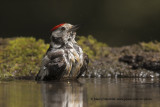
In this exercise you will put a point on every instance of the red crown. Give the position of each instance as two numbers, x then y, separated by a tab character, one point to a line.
54	28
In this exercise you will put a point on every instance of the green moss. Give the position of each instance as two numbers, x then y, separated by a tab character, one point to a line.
22	57
92	47
151	46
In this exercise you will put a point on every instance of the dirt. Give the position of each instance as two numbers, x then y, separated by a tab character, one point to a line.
126	61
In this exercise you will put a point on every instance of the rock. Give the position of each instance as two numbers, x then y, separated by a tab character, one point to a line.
141	62
152	65
127	59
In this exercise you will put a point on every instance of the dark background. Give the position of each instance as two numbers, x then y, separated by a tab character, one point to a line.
116	22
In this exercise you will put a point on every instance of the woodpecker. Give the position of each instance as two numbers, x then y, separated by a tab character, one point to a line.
64	58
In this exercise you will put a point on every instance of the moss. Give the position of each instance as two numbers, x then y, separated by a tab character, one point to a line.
151	46
92	47
22	57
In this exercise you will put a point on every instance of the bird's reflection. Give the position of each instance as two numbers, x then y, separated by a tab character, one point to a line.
63	94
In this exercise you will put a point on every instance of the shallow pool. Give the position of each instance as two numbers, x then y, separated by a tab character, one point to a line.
115	92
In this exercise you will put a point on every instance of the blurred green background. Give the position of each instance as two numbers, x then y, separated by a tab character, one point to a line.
115	22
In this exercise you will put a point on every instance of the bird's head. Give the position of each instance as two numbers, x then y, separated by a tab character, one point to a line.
63	33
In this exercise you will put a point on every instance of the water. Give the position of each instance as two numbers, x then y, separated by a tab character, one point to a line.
107	92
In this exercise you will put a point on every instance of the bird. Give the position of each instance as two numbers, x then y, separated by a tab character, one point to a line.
64	58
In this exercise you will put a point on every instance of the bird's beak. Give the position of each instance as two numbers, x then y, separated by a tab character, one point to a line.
73	28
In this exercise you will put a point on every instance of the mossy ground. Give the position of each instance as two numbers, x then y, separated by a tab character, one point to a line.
21	57
92	47
151	46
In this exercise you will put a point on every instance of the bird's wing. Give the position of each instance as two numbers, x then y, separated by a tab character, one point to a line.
84	66
53	66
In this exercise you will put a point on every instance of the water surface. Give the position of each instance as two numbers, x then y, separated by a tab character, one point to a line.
107	92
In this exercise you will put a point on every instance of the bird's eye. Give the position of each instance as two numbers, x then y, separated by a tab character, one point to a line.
63	28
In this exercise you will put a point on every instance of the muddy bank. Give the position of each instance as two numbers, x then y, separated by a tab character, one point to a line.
21	57
136	61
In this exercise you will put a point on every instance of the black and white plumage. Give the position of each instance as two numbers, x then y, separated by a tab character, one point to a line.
64	58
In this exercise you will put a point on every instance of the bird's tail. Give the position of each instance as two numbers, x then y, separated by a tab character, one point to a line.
41	74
